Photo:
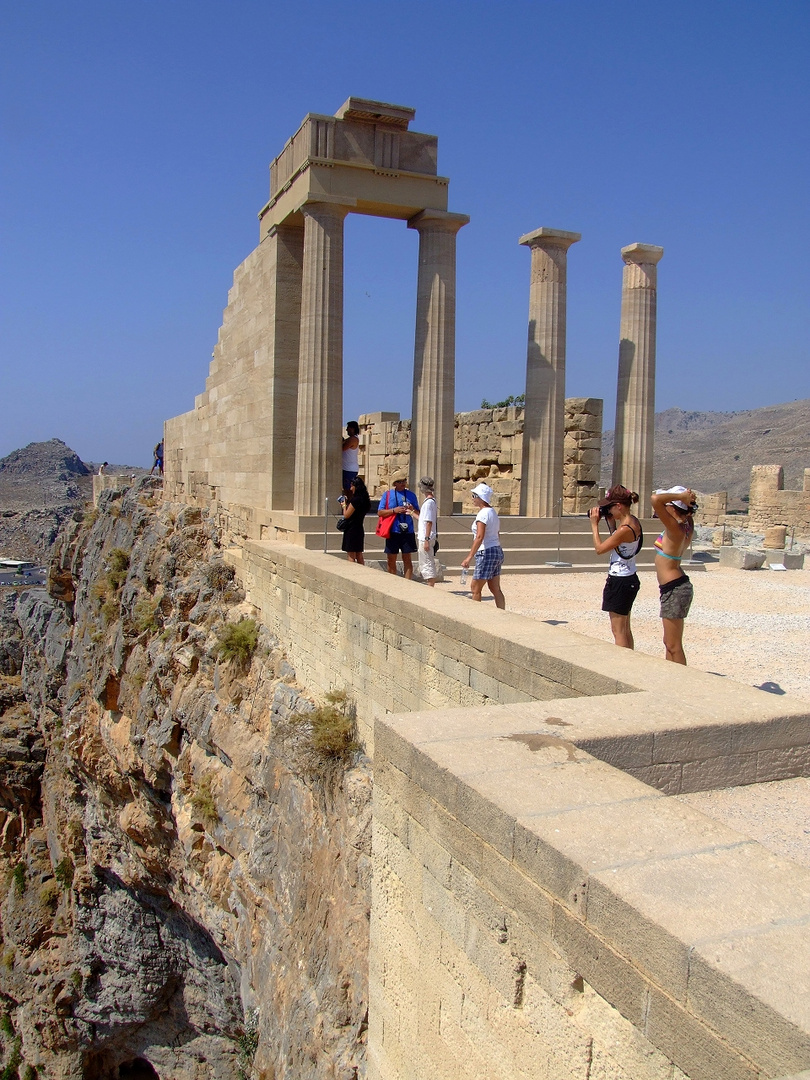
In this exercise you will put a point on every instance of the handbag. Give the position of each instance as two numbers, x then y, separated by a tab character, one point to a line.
342	523
385	525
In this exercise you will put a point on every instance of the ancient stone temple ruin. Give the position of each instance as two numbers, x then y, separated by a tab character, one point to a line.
265	434
263	441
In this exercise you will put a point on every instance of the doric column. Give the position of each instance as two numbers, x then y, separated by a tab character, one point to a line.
434	378
320	367
286	244
544	413
635	397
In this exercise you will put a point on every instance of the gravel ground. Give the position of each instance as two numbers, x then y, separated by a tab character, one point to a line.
752	626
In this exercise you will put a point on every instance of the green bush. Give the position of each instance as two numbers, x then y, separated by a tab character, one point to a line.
237	641
18	878
49	893
118	561
64	871
513	399
6	1026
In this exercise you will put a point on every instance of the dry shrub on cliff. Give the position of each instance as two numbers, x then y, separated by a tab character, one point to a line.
218	575
203	801
118	561
237	642
144	615
333	726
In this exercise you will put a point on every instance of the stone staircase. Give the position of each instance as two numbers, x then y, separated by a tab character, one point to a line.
529	544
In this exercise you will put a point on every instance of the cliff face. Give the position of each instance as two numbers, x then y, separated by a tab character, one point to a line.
186	874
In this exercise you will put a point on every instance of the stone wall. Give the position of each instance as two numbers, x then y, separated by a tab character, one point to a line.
769	504
488	445
574	920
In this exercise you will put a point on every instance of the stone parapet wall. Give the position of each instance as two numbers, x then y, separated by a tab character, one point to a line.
488	445
575	921
769	504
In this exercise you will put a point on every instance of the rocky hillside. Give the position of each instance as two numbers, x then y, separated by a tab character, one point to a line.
713	451
185	836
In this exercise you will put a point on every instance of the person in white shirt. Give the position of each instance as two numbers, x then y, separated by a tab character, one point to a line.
486	547
427	532
351	455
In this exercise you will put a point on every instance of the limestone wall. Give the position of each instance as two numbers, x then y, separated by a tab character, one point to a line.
576	923
769	504
488	445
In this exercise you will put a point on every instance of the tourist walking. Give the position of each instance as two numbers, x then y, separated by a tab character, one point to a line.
623	541
674	507
401	504
355	507
427	533
157	454
486	547
351	454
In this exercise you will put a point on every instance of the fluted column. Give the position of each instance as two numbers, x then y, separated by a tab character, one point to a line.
434	377
320	368
544	413
635	397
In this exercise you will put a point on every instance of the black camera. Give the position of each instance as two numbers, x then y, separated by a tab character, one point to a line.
604	511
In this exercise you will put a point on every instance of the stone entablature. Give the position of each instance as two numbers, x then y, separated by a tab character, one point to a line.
488	445
769	503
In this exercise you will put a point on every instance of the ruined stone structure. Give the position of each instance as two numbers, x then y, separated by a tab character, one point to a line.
488	445
265	434
635	395
770	504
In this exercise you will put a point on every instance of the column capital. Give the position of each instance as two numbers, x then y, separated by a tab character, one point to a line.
642	253
330	205
440	220
545	237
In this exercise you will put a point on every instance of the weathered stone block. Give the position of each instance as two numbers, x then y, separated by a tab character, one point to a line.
738	559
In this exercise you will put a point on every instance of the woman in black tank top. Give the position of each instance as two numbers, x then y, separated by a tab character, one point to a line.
624	542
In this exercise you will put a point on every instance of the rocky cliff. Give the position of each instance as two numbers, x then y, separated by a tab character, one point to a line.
185	861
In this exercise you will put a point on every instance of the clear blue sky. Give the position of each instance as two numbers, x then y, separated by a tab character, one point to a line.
136	142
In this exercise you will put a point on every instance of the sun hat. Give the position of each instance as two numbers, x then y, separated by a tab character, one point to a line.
484	493
426	483
399	477
675	502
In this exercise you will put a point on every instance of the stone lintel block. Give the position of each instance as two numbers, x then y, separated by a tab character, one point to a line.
732	770
367	419
590	405
738	559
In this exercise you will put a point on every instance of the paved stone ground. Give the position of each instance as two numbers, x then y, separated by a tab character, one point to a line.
752	626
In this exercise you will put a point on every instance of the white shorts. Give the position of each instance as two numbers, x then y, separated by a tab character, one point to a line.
427	563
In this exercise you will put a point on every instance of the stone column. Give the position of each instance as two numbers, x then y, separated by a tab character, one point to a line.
434	382
544	415
320	366
286	242
635	398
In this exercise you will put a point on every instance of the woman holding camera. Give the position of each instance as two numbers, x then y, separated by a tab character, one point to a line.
675	508
355	508
623	541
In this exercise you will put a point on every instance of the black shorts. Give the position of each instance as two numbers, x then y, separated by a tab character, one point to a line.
619	594
400	541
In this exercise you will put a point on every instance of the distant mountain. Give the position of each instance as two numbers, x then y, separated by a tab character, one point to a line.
43	474
714	451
